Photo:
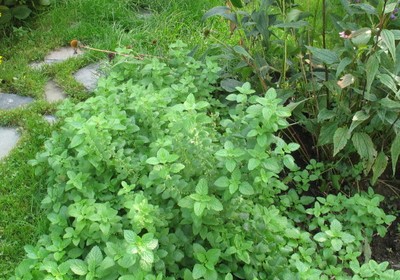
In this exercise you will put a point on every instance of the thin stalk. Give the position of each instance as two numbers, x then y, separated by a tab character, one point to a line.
324	46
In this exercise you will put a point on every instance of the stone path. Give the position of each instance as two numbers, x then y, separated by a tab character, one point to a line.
87	76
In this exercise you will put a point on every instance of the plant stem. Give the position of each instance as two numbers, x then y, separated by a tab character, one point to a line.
324	46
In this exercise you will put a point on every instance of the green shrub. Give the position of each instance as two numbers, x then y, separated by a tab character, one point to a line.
17	10
344	83
154	179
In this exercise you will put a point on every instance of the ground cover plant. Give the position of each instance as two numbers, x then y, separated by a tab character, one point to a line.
198	168
100	24
159	186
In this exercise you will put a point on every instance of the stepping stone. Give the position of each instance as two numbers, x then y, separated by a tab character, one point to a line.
50	119
53	92
8	139
88	76
144	13
10	100
56	56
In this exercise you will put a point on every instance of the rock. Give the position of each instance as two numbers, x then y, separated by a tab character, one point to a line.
8	139
53	92
88	76
11	101
56	56
50	118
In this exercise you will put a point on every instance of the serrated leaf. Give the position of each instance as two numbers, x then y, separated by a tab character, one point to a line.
152	161
371	69
202	187
198	208
379	166
320	237
198	271
358	118
336	244
78	267
388	81
246	189
388	40
340	139
324	55
395	152
94	257
365	148
253	164
215	204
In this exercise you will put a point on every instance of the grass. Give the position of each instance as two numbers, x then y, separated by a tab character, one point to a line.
100	24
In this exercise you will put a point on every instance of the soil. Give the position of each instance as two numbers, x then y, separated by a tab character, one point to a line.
388	247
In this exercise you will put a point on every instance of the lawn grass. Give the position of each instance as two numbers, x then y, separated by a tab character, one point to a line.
100	24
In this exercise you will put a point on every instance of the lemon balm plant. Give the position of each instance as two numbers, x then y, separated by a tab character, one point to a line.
153	178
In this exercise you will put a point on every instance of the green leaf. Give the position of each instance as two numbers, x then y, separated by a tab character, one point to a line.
326	56
222	182
215	204
361	36
94	257
222	11
395	152
202	187
199	208
342	65
199	271
371	69
21	12
320	237
237	3
152	161
336	226
240	50
45	2
246	189
379	166
78	267
213	256
388	40
348	238
230	164
336	244
388	81
340	139
365	148
253	164
358	118
130	236
230	85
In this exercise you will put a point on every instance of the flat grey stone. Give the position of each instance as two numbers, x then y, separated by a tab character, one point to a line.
8	139
50	118
53	92
10	100
58	55
88	76
144	13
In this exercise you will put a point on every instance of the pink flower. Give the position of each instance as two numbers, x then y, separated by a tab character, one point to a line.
346	34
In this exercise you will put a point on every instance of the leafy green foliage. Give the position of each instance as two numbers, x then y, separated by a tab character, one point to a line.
345	94
12	10
153	178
